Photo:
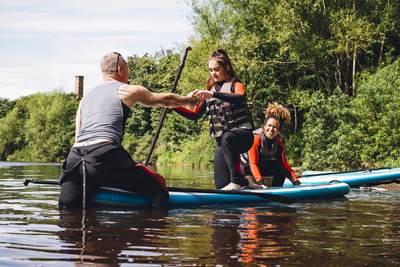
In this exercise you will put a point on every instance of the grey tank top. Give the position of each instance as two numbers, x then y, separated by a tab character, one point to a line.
103	115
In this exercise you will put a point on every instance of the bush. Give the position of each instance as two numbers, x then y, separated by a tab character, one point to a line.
40	128
327	134
377	105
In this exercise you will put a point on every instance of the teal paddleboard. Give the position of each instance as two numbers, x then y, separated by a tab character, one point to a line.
353	178
115	197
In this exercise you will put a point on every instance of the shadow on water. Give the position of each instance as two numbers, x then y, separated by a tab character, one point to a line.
362	229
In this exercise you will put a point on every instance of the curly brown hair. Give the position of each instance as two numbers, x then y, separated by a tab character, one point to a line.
277	111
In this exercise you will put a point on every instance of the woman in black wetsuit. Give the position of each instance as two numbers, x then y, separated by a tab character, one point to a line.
225	100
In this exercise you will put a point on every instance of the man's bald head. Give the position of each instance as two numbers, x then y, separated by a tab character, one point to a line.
110	63
114	67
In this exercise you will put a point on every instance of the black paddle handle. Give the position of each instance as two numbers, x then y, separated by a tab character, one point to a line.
34	181
164	113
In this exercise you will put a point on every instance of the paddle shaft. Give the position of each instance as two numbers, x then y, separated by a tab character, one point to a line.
164	113
266	196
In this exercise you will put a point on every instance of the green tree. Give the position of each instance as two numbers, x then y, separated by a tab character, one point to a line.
300	44
158	73
12	132
40	128
5	106
377	105
328	132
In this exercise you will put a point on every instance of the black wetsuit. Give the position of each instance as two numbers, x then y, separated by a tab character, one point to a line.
230	143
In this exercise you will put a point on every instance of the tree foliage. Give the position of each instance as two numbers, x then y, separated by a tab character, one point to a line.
301	44
5	106
39	128
334	64
158	73
377	106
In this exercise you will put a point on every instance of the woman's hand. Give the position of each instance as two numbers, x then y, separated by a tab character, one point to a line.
192	93
297	182
253	184
197	98
204	94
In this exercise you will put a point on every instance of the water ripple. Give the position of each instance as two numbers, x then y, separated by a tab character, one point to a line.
362	229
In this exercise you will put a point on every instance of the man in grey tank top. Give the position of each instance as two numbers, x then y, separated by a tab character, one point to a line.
97	157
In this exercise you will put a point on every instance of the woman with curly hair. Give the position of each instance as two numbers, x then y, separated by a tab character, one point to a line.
267	155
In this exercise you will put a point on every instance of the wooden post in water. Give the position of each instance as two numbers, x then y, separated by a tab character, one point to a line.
79	86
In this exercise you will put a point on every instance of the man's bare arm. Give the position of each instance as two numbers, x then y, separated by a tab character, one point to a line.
131	94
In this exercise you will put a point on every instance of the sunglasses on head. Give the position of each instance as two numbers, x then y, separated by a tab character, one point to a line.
116	64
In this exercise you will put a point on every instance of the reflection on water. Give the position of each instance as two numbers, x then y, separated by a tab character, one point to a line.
254	235
109	238
362	230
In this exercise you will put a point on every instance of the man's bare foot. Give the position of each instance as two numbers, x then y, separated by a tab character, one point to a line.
231	186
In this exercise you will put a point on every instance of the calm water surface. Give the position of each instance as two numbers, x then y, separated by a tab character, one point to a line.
361	230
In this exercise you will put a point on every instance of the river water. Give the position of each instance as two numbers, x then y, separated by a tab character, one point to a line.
361	230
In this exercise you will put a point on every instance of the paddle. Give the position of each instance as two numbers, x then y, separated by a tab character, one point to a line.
35	181
270	197
164	113
342	172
